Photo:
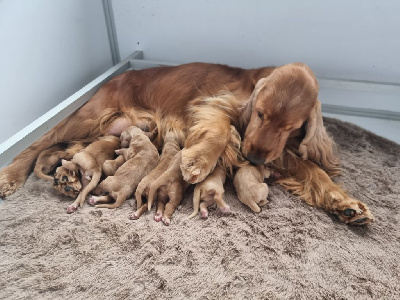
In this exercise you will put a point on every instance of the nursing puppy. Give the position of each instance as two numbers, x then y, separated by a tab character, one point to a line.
174	186
141	157
89	162
173	142
250	187
111	166
211	190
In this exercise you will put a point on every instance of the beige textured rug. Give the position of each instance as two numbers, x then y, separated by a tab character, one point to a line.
288	251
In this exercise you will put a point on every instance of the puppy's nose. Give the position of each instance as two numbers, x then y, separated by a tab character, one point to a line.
67	188
255	159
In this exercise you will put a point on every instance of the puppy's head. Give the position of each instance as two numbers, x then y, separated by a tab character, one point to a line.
279	105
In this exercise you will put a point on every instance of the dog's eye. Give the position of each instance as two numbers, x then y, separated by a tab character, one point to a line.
260	115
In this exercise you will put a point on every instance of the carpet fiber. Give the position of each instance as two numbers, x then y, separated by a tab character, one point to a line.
288	251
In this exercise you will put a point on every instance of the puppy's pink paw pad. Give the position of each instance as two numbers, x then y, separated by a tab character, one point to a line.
157	217
92	201
204	214
225	209
133	217
71	209
166	221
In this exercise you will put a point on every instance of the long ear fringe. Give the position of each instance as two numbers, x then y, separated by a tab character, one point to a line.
317	145
247	108
297	177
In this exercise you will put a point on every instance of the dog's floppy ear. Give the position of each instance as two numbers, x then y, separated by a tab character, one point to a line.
248	107
317	145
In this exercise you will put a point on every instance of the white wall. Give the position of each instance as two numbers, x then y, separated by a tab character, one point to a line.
357	39
49	49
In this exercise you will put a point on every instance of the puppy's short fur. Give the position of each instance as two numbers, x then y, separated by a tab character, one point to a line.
210	191
111	166
173	186
173	142
141	157
250	187
89	162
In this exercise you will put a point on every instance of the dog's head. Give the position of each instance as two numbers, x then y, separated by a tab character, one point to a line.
279	106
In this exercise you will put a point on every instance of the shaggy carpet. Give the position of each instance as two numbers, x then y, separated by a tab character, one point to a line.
288	251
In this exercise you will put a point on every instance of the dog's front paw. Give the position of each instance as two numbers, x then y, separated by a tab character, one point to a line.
10	181
353	212
194	169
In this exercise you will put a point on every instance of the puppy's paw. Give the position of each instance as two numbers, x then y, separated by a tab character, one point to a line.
204	213
71	209
158	217
134	216
166	221
92	200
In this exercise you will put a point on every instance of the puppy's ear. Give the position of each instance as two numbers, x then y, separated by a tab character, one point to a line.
248	107
317	145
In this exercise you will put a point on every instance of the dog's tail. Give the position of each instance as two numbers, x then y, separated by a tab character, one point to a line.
39	172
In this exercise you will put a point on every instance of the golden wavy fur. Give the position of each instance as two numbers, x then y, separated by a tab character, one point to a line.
271	107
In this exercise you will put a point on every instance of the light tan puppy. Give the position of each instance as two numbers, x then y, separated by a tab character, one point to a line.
174	186
111	166
210	191
173	142
141	157
89	162
250	187
48	159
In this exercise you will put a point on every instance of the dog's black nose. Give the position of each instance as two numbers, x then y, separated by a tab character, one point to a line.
65	178
67	188
255	159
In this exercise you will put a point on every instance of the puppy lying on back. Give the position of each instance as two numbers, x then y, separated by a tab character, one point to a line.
250	187
67	182
173	142
211	190
89	162
141	157
48	159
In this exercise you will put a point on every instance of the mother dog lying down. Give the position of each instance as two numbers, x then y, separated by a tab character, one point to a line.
275	108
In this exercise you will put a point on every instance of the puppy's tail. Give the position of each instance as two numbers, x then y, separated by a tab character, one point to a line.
196	201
